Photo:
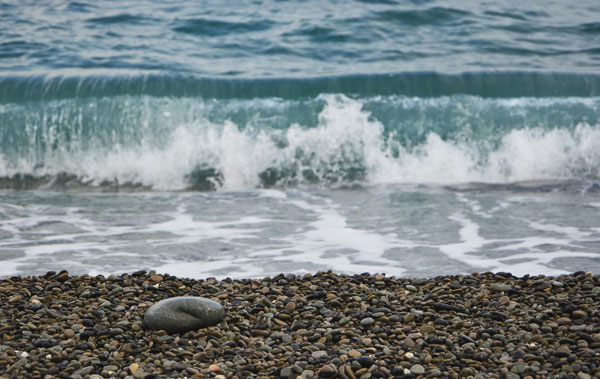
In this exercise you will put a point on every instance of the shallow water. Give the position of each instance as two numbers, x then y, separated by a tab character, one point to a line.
405	231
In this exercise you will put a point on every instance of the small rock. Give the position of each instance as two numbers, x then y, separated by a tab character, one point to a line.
110	368
18	364
214	368
500	287
563	320
327	370
181	314
156	278
579	314
417	369
365	361
286	371
291	306
367	321
427	329
354	353
320	354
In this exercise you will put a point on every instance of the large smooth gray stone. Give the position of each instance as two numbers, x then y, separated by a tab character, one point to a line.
181	314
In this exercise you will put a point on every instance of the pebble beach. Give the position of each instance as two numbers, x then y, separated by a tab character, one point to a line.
321	325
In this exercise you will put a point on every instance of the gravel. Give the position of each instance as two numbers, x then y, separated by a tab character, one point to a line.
319	325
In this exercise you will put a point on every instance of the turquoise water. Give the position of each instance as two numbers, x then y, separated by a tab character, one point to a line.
489	107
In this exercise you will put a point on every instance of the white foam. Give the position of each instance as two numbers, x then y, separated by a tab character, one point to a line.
470	241
570	232
346	136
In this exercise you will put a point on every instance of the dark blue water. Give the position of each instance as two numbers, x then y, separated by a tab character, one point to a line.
412	137
258	39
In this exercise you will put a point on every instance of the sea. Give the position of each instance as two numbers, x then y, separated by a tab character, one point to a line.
244	139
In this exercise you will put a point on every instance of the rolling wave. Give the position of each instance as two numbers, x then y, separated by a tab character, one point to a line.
196	143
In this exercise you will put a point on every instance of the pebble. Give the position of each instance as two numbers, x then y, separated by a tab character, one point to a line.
579	314
327	370
182	314
354	353
500	287
417	369
367	321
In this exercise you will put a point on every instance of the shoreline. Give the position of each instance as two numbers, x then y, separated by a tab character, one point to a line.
314	325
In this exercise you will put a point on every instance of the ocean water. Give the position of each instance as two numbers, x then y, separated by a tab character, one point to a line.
415	138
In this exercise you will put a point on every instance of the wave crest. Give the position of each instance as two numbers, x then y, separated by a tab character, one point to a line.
347	143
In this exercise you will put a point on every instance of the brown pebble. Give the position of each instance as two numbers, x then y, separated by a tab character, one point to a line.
349	372
156	278
327	370
360	371
563	320
504	299
354	353
290	307
69	333
214	368
579	314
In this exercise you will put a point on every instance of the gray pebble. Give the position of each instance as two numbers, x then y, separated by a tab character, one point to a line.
500	287
320	354
181	314
417	369
286	371
367	321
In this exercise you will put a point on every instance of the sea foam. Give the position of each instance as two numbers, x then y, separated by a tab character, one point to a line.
177	144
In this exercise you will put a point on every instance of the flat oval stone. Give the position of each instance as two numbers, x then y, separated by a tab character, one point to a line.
181	314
